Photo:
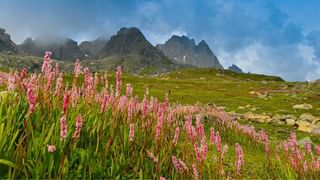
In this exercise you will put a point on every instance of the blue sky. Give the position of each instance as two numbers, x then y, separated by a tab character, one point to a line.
280	37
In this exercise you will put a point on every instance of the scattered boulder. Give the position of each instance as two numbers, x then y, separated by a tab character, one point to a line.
307	117
257	117
290	122
303	106
304	126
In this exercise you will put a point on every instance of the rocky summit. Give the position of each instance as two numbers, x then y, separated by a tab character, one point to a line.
6	44
130	48
184	50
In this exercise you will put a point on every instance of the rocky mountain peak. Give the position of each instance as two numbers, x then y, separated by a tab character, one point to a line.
184	50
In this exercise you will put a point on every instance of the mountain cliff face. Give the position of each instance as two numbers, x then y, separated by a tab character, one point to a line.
6	44
130	48
235	68
66	49
184	51
92	48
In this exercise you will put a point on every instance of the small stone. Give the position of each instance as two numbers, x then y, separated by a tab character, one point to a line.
290	122
303	106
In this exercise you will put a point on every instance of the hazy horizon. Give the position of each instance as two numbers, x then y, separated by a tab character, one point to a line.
267	37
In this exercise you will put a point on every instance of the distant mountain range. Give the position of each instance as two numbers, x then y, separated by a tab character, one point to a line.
128	48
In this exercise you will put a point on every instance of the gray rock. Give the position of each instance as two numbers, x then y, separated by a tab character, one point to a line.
306	117
290	122
315	131
302	106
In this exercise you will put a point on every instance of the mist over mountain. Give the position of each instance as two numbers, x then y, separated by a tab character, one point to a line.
61	48
185	51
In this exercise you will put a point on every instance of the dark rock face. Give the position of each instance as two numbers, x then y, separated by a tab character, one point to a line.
130	43
6	44
67	49
184	51
235	68
92	48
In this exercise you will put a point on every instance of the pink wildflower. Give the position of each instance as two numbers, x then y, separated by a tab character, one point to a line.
162	178
145	106
31	98
239	158
79	122
308	147
184	166
199	126
129	90
63	127
77	68
130	109
58	85
218	142
204	148
131	133
66	102
158	131
176	164
195	172
318	149
212	135
176	136
51	148
118	81
46	66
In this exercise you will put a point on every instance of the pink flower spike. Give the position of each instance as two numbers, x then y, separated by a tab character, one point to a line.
195	172
176	164
131	132
162	178
79	122
176	136
51	148
239	158
63	128
212	135
66	102
32	99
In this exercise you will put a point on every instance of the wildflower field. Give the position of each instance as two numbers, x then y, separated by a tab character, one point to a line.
86	126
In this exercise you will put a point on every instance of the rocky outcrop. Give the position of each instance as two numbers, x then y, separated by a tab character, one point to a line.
235	68
92	48
184	51
6	44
